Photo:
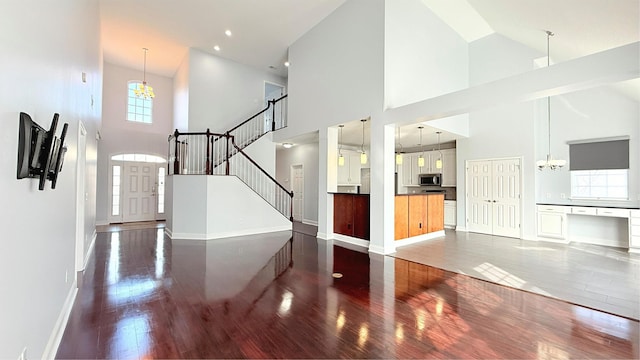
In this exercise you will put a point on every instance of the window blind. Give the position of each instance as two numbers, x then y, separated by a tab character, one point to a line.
599	155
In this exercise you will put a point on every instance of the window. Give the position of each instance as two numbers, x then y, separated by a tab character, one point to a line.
600	168
600	184
138	108
115	206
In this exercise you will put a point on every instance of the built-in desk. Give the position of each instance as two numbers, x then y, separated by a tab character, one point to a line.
619	227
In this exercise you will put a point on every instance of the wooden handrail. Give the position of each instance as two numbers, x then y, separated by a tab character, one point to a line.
261	169
260	112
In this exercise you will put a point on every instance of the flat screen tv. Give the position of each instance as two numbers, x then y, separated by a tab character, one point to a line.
40	153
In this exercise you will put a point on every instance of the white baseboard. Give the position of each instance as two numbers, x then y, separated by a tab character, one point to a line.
634	251
310	222
101	223
380	250
351	240
322	236
461	228
224	235
419	238
55	338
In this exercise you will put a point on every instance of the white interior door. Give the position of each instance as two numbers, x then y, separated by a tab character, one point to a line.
297	184
494	198
139	196
480	214
506	197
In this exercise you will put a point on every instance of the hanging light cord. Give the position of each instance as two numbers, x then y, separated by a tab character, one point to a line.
549	34
144	67
363	121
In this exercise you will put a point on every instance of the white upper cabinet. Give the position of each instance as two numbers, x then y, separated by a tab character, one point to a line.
449	167
349	173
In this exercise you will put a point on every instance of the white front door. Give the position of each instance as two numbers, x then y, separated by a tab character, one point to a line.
493	188
297	185
139	192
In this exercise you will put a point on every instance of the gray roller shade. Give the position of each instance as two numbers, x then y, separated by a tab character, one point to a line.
600	155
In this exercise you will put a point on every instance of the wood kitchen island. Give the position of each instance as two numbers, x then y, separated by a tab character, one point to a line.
419	216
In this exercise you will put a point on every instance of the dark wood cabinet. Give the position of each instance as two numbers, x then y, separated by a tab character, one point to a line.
351	215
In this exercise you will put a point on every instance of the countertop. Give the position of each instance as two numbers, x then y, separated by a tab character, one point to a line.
593	206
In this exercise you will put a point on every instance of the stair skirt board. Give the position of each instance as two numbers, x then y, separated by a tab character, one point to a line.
224	235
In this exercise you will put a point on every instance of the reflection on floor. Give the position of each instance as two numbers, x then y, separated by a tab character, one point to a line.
599	277
147	296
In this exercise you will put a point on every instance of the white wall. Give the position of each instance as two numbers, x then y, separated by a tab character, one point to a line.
423	56
45	47
122	136
181	96
223	93
336	71
307	156
212	207
589	114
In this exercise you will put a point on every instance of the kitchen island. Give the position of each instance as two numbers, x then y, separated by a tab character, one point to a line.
418	217
351	215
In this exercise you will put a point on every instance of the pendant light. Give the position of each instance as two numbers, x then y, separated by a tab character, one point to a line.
340	157
439	161
363	155
144	91
549	162
399	153
421	157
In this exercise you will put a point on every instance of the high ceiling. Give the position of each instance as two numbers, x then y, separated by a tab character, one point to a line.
262	30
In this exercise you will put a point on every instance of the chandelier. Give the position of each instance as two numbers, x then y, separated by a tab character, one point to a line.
144	91
549	162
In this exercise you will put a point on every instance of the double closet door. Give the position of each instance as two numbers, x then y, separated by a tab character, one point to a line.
494	199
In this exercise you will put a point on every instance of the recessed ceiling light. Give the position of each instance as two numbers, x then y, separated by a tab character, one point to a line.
228	33
286	63
287	145
216	48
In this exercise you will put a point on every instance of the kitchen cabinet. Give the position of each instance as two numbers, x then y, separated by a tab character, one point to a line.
401	223
449	167
435	209
552	221
349	173
418	214
634	231
351	215
450	214
410	169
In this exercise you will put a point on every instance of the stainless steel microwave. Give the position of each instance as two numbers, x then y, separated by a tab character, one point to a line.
430	179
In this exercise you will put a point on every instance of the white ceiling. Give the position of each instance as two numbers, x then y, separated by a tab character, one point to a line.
263	30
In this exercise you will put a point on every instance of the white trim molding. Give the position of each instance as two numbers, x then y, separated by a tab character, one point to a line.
55	338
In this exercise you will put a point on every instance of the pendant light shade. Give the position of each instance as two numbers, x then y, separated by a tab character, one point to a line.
340	156
363	155
549	162
399	152
421	157
439	161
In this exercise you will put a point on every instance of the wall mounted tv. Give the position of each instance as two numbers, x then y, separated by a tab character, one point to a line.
40	152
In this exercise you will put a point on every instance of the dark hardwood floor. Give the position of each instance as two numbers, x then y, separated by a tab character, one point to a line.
273	296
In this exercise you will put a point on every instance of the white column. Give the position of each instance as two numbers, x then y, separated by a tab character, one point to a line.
327	180
382	188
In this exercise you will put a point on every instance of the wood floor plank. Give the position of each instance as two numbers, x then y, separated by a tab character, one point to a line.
145	296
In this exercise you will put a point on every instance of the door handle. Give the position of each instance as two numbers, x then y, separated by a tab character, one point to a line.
487	200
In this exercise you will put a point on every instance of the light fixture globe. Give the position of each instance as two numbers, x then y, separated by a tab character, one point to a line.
144	91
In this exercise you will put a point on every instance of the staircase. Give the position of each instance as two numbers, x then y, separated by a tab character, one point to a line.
207	153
